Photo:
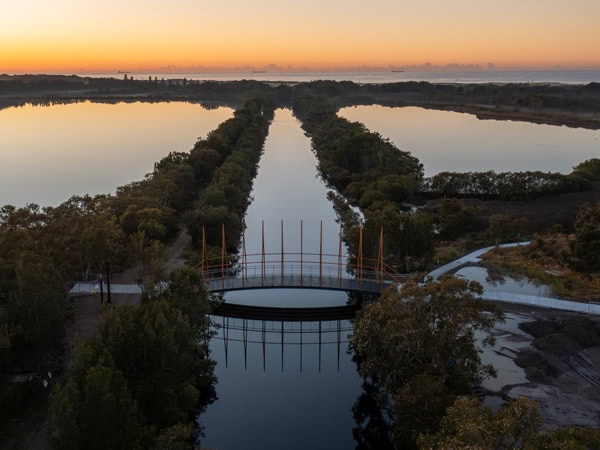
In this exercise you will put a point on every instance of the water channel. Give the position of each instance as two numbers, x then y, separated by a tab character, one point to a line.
295	389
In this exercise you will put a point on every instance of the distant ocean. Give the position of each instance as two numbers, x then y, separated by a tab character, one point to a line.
487	76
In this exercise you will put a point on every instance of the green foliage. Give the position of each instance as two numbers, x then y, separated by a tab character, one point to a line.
586	247
372	173
94	409
468	423
419	345
144	379
504	185
588	169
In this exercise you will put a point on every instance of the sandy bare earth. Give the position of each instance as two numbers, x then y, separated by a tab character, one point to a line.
560	368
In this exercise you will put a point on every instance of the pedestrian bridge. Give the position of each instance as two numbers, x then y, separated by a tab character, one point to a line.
294	271
297	270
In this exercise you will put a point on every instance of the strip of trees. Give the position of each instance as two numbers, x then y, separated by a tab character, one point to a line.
504	185
369	172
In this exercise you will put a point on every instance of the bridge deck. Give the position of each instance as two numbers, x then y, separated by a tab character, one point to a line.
291	281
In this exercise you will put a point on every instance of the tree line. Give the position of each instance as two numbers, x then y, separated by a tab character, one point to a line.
504	185
369	172
42	249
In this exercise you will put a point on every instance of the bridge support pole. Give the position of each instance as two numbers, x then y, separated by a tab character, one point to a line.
301	258
282	257
340	258
244	257
321	257
262	263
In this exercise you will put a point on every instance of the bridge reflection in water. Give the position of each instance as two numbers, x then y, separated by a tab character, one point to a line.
283	329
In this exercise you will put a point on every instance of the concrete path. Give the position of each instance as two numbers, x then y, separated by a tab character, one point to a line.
86	288
514	297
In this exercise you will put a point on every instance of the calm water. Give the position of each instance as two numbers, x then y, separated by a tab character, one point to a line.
50	153
450	141
287	397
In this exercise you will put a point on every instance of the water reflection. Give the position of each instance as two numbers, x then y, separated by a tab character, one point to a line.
450	141
282	384
495	281
287	341
50	153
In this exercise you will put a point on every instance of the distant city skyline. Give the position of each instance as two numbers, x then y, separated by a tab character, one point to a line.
66	36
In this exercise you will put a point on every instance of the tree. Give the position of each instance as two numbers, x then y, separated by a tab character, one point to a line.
469	423
94	409
586	247
148	261
419	345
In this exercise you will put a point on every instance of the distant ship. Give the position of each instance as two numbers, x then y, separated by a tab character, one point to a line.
259	71
397	70
123	71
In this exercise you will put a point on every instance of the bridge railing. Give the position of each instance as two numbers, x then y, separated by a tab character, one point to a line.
297	270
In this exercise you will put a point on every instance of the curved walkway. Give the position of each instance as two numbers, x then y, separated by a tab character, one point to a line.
514	297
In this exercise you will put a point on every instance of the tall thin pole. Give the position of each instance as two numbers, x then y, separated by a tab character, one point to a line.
340	258
262	265
281	253
301	252
244	257
321	257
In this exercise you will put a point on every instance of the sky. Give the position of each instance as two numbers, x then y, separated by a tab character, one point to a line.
73	36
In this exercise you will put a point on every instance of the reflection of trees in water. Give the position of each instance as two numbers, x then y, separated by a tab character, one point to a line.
372	421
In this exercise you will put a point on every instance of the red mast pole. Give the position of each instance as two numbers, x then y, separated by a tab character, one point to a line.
321	257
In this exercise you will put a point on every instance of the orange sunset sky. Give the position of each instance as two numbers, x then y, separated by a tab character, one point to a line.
71	36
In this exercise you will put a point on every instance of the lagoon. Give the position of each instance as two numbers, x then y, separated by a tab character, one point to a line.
460	142
50	153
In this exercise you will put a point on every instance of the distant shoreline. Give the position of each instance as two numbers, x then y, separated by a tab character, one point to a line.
552	103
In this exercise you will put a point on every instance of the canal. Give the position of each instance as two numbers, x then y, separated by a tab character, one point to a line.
293	389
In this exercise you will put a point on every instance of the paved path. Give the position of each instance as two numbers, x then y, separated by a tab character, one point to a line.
471	258
514	297
86	288
451	267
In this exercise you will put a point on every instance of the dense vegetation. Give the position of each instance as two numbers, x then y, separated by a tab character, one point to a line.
371	173
142	381
417	346
42	249
504	185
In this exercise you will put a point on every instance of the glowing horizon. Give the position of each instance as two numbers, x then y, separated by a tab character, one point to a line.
66	37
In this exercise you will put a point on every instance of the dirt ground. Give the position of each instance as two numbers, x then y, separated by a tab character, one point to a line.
553	358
